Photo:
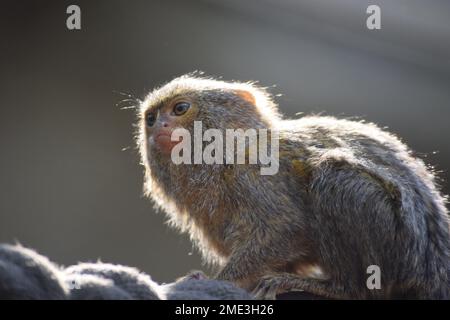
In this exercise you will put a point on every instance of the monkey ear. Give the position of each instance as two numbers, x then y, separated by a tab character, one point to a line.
246	95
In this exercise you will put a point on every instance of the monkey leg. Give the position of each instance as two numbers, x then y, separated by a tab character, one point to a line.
273	284
245	266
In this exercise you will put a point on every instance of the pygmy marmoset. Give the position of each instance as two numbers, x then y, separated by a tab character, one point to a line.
347	195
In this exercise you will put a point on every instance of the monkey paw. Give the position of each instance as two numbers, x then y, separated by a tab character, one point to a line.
194	275
269	286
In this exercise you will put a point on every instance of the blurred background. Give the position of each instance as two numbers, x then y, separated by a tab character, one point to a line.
70	179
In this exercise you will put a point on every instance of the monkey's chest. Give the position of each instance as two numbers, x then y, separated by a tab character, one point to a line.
213	231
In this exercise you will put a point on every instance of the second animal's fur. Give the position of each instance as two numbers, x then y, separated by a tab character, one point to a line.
347	195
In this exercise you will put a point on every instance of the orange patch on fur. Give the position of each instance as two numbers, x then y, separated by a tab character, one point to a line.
247	96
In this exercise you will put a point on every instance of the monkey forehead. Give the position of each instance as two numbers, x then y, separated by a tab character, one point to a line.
199	86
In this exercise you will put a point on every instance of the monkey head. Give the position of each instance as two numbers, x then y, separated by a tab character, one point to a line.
217	104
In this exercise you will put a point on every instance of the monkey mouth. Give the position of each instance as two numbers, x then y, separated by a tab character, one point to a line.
163	135
164	143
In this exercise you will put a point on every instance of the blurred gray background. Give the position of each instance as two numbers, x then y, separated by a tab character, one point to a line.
70	179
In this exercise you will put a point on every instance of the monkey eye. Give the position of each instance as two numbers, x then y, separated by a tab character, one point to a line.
150	119
181	108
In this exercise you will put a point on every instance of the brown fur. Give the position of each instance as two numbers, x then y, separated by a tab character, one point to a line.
347	195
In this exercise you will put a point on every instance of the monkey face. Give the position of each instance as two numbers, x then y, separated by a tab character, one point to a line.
160	121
